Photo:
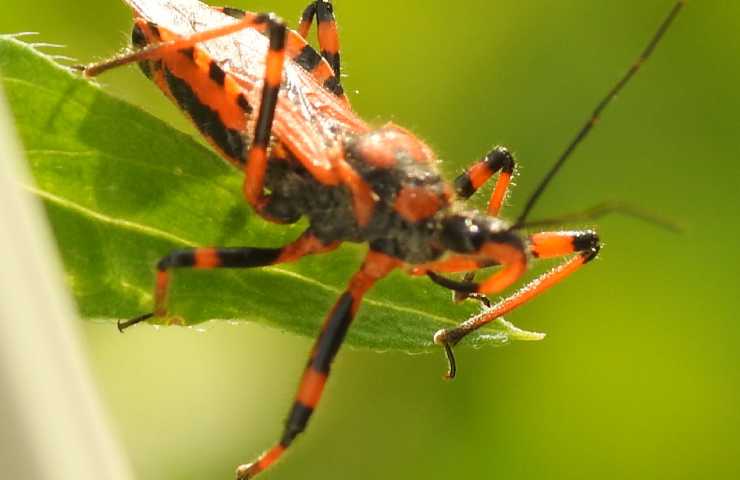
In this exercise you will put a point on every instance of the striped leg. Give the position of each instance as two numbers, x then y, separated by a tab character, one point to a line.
328	37
156	51
375	267
466	184
541	245
512	259
497	160
257	157
216	257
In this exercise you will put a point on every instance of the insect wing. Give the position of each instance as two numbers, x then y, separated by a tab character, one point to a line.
308	119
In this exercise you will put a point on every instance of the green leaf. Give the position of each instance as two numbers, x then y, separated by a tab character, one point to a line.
123	188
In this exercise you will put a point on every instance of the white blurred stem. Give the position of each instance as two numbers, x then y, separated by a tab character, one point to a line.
51	423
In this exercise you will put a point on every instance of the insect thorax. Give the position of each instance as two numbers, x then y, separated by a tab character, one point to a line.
408	194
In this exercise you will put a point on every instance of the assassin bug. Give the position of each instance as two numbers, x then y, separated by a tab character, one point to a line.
288	125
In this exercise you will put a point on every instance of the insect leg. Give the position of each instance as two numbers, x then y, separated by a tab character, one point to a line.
585	244
219	257
511	257
467	183
307	20
497	160
257	157
460	290
158	50
327	33
375	267
328	37
329	40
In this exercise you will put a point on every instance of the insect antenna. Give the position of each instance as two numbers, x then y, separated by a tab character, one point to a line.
597	113
607	208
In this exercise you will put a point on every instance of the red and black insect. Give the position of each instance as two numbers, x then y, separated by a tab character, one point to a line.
288	125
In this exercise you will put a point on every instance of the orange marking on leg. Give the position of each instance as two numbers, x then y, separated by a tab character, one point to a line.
206	258
499	192
376	266
304	27
539	285
552	244
479	174
328	38
160	293
271	456
246	22
312	384
159	50
303	246
245	472
417	203
274	68
454	264
513	260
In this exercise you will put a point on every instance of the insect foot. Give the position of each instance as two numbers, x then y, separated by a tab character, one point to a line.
245	472
441	337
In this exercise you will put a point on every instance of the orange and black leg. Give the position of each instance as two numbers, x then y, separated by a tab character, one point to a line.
584	244
219	257
376	266
155	51
328	37
497	160
507	251
257	158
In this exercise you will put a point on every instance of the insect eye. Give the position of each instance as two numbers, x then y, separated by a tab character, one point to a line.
462	234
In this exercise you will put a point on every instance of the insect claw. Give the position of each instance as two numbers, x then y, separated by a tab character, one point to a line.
452	364
440	338
128	323
458	297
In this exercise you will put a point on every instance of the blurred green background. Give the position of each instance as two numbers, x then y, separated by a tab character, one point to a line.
638	377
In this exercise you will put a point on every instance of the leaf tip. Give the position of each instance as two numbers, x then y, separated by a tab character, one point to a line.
516	333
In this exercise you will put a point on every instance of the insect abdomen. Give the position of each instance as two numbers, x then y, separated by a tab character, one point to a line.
212	99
